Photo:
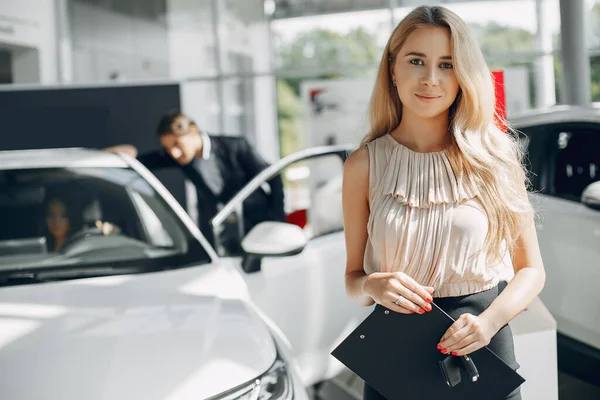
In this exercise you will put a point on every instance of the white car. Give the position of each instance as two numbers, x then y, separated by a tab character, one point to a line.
146	308
304	295
563	151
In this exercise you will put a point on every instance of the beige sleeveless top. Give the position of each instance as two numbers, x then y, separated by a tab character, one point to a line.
425	223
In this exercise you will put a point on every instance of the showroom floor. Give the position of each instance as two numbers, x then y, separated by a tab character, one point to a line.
348	386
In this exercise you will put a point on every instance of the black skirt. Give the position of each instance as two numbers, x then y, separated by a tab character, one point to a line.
501	344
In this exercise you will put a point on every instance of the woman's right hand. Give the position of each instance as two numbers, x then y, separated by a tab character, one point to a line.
385	288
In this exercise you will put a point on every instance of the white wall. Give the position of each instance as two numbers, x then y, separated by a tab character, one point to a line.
191	38
28	28
237	36
200	101
104	42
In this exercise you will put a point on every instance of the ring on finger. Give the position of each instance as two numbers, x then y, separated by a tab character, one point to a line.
399	301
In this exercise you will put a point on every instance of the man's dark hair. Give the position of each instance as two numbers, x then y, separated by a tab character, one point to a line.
172	122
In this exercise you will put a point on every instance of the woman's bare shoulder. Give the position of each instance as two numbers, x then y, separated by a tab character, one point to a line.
357	163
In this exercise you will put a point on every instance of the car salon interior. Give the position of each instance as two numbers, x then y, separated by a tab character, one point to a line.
183	182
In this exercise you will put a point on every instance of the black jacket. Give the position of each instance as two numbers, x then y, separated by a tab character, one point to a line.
232	163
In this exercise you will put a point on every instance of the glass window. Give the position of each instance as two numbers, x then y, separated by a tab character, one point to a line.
318	180
155	231
577	162
313	189
330	110
533	143
315	45
524	47
318	50
495	26
593	41
289	112
57	217
595	75
312	195
563	160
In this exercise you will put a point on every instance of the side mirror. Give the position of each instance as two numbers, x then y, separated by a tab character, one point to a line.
591	196
271	239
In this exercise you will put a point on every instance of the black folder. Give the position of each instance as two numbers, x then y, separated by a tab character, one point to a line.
397	355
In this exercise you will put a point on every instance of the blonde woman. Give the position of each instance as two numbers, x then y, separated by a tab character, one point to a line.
435	200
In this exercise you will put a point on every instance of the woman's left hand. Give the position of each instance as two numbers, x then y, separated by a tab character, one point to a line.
467	334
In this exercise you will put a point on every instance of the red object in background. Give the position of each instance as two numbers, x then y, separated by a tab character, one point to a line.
298	217
499	90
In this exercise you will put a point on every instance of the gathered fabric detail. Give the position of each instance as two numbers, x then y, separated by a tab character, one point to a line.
421	180
425	222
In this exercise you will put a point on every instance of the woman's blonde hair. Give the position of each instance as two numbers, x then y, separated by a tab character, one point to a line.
480	153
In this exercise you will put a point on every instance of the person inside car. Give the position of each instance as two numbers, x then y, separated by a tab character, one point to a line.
219	167
61	222
435	197
64	219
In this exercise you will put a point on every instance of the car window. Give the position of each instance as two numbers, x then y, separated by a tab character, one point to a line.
82	216
577	162
312	193
313	190
564	160
533	142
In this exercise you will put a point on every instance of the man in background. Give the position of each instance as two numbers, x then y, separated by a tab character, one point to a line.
218	166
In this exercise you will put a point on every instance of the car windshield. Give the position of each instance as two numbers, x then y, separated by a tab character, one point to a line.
76	218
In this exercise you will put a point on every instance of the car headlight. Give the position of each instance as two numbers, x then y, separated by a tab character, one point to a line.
275	384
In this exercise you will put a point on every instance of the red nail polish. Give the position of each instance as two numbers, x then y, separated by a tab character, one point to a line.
421	311
429	300
454	353
428	307
444	351
439	347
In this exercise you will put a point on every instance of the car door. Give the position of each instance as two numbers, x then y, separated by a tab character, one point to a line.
564	159
304	294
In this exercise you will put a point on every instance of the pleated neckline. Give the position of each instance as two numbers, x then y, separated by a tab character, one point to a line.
419	180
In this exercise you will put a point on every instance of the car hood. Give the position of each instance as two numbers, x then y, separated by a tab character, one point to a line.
181	334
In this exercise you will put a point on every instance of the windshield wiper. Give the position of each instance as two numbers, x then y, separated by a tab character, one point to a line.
16	277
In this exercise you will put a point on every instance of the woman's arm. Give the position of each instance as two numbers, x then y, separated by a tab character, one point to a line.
380	287
527	283
470	333
355	203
